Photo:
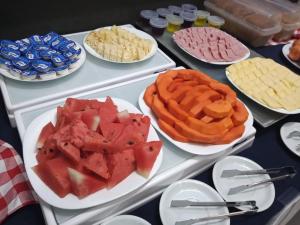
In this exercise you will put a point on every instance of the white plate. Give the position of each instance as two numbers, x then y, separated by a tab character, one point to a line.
283	111
192	190
80	61
137	32
264	194
131	183
290	143
286	51
195	148
216	62
126	220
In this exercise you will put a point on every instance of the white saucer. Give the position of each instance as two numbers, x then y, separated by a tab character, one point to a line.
292	142
264	194
126	220
190	190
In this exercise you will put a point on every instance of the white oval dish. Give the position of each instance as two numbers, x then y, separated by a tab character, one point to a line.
291	143
194	148
192	190
264	194
131	183
126	220
137	32
286	51
79	63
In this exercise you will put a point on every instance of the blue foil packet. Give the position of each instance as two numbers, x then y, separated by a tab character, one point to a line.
9	44
50	37
41	66
36	40
41	47
47	53
5	63
32	54
9	53
58	59
21	63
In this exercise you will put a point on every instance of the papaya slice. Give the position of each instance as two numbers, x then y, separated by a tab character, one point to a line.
198	107
207	119
175	84
162	88
232	134
218	109
194	135
179	93
176	110
240	113
187	100
219	127
169	130
149	93
170	73
161	112
224	89
188	74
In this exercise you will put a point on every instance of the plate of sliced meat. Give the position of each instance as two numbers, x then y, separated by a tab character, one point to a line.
211	45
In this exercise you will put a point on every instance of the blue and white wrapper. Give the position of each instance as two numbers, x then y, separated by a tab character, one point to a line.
32	54
21	63
9	44
41	66
58	59
9	53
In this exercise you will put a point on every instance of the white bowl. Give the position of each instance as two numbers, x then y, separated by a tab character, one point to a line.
126	220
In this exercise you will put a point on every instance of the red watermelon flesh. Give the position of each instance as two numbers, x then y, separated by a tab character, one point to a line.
127	139
91	119
76	105
108	112
49	151
47	130
111	130
55	174
83	184
69	150
96	163
78	132
120	165
145	155
95	142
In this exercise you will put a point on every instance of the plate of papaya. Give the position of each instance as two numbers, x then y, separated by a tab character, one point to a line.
195	112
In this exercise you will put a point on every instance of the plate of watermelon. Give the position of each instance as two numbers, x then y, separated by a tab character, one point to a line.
90	152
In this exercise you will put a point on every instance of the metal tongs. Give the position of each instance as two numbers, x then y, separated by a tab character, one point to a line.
223	216
186	203
232	173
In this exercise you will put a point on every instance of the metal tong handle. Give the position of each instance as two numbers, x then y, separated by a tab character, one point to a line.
185	203
223	216
269	171
270	180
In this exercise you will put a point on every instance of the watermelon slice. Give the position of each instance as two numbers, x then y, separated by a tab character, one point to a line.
55	175
120	165
95	142
96	163
127	139
69	150
91	119
49	150
145	155
111	130
76	105
108	112
83	184
78	132
47	130
122	116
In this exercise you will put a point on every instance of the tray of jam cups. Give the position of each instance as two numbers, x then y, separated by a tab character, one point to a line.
40	57
93	74
176	164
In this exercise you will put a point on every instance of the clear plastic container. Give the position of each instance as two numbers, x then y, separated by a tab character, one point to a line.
201	19
174	23
146	15
215	21
176	10
188	17
158	25
189	7
163	12
244	21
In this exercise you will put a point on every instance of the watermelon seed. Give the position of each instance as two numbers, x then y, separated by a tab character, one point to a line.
130	143
134	120
105	141
51	150
66	143
151	149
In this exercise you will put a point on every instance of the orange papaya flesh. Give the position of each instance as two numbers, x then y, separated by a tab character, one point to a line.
232	134
218	109
175	109
240	113
169	130
149	93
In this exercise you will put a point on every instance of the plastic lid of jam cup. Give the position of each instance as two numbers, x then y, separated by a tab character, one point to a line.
175	9
202	14
173	19
188	16
148	14
158	23
163	12
189	7
215	21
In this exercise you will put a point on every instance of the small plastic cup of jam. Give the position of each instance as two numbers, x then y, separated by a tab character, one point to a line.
176	10
146	15
174	23
215	21
189	7
158	25
188	18
163	12
201	19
